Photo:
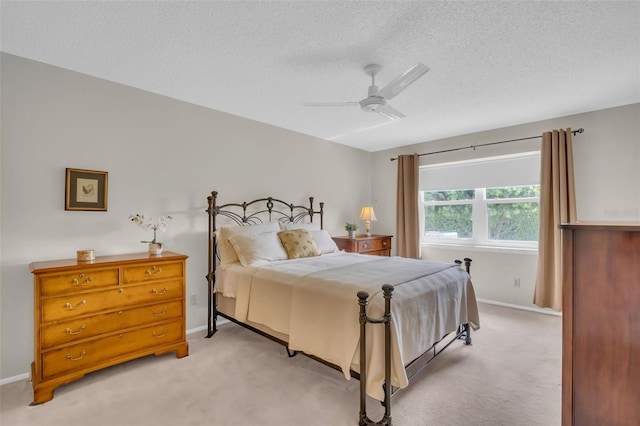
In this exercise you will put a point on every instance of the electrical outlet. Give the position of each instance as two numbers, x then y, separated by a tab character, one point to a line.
194	299
516	282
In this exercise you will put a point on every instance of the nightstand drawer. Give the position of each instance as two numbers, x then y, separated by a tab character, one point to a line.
374	244
385	252
378	245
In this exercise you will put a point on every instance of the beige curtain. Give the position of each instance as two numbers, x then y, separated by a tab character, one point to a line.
407	219
557	205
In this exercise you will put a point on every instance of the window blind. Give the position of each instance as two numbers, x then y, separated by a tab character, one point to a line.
508	170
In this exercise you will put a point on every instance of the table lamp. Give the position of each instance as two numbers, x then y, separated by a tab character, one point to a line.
367	214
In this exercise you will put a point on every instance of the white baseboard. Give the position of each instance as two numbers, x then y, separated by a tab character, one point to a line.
14	379
197	329
221	321
522	308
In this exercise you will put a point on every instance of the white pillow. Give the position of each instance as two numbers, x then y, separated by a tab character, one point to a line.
288	226
324	242
258	249
228	254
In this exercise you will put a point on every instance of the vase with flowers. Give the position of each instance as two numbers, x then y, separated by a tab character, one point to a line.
156	225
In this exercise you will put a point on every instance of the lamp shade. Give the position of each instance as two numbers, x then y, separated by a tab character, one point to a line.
367	213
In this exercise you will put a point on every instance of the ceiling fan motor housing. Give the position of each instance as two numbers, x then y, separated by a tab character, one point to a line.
372	103
373	100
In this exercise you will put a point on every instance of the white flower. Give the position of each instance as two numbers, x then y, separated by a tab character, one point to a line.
157	225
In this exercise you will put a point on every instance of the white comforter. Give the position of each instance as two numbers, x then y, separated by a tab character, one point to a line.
313	300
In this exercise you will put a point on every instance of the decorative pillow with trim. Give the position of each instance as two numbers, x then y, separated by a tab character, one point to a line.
258	249
228	254
298	243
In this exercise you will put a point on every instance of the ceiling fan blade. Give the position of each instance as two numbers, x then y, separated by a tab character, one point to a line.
330	103
389	112
400	83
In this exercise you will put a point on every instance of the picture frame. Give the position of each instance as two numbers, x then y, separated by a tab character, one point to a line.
86	190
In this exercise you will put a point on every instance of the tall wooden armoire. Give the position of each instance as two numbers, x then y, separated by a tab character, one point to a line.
601	324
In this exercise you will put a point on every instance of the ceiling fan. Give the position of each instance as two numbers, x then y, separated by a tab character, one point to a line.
376	100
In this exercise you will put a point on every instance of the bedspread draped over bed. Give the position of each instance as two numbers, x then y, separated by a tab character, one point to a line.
313	301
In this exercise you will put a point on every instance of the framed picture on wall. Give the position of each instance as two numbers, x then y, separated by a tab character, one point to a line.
86	190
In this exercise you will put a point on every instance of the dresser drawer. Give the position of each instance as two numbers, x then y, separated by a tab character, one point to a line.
72	306
51	285
374	244
84	328
152	271
87	354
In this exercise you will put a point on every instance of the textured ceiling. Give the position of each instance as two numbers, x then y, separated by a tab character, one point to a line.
493	63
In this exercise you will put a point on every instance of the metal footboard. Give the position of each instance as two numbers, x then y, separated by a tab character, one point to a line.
463	332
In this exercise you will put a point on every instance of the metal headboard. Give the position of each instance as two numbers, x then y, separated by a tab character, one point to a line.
261	210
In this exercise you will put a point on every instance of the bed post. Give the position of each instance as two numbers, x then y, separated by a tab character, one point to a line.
362	301
465	330
386	320
211	297
467	264
313	212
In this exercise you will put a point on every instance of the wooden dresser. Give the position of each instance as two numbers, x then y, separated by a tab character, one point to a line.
91	315
601	324
378	245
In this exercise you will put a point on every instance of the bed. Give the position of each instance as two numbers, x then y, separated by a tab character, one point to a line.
274	270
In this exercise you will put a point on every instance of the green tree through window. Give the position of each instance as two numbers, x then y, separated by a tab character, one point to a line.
506	214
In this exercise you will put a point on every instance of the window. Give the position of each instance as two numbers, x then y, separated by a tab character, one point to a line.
483	216
489	202
449	214
513	213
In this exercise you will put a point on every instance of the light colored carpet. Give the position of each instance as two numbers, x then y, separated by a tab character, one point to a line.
509	376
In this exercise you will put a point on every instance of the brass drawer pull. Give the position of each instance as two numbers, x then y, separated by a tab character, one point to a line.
76	281
384	243
78	306
159	314
364	245
82	354
82	327
154	271
164	333
160	293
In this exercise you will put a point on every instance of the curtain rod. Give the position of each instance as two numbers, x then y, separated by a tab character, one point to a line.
580	130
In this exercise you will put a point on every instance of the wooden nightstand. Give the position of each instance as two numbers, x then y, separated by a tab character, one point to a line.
377	245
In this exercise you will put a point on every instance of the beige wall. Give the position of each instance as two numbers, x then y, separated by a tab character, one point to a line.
607	175
163	157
